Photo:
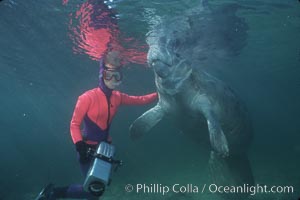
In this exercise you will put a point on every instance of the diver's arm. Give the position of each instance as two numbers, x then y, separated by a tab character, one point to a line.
138	100
80	110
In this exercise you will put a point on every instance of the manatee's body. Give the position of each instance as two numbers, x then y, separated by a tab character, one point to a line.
200	94
208	103
188	93
212	108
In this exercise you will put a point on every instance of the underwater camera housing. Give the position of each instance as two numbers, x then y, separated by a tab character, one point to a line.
99	174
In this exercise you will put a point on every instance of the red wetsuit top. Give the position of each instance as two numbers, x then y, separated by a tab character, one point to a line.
97	111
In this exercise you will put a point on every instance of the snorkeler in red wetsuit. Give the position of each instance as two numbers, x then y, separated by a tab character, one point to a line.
96	109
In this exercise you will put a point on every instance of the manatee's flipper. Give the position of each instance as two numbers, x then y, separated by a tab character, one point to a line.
145	122
216	135
234	170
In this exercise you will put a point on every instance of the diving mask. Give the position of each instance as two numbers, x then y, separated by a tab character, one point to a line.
108	74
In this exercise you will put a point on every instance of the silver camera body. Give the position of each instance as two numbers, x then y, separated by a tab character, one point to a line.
99	174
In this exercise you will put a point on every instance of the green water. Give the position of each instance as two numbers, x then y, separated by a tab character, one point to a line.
41	78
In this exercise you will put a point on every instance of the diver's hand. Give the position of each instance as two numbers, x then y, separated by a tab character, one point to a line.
82	148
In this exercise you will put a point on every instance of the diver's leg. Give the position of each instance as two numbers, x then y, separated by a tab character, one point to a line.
46	193
75	191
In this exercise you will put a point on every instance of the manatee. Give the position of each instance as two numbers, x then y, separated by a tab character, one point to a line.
189	93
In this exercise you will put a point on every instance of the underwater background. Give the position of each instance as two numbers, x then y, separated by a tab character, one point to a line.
45	65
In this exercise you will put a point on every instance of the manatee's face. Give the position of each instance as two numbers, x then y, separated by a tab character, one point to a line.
164	57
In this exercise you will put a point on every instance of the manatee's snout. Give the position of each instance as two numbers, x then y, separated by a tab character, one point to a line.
160	68
160	59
